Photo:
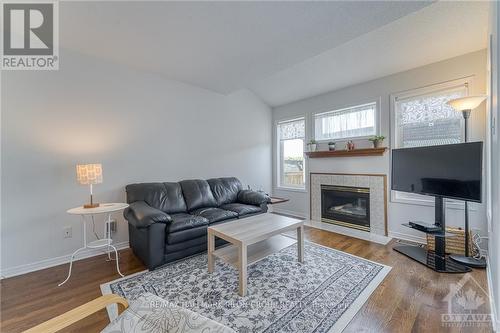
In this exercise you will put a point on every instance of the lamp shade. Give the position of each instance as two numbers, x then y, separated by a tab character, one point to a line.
89	174
466	103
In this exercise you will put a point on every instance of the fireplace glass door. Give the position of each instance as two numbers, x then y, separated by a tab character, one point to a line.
346	206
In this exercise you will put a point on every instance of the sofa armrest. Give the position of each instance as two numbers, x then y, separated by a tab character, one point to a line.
142	215
250	197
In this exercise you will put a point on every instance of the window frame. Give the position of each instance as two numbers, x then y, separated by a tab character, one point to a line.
376	101
278	152
416	199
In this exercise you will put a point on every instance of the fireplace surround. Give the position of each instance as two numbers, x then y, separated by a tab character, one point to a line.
376	203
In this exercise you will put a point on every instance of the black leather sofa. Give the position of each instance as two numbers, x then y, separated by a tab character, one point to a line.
168	221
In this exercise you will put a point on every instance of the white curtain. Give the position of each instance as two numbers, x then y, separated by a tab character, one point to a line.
352	122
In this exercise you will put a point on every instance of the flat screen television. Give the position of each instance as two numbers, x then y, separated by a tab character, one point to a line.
449	171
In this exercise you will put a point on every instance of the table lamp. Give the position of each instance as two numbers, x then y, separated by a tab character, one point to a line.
89	174
466	105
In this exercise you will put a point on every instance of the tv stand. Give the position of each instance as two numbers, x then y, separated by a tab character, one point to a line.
437	259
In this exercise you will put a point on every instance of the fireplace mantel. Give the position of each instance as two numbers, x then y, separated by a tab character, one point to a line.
347	153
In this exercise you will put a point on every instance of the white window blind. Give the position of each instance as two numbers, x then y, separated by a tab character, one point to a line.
291	136
426	120
292	129
352	122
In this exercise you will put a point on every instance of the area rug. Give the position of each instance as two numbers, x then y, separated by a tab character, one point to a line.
321	295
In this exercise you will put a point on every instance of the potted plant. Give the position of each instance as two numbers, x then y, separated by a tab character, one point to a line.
377	140
312	145
331	145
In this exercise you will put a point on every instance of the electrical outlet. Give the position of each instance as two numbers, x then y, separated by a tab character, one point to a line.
68	232
112	226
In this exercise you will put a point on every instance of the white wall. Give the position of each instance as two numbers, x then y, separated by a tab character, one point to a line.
473	64
494	166
140	126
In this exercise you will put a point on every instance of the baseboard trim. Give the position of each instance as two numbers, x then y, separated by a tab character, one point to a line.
51	262
495	320
407	237
289	212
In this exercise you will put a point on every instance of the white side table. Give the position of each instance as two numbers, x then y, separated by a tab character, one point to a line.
106	208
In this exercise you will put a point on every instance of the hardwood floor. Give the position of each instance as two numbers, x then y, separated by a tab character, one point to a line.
410	299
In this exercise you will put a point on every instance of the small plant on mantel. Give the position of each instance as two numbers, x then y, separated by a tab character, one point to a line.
312	145
377	140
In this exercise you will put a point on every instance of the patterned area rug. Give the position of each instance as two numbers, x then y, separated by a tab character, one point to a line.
321	295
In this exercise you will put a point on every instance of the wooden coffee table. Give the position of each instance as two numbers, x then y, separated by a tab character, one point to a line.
253	238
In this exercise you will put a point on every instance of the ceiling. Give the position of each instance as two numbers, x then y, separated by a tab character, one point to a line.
438	32
283	51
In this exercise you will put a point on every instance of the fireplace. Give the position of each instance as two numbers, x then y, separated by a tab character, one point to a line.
346	206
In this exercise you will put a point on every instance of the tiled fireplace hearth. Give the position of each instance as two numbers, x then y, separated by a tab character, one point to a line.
345	202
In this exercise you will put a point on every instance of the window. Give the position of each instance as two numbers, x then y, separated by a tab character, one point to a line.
291	135
352	122
426	120
422	118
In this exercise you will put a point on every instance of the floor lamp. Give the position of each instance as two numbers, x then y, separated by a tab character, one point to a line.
466	105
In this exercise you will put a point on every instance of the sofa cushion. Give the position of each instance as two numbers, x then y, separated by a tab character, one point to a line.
166	197
185	235
225	190
186	244
242	209
214	214
189	251
195	242
183	221
197	194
